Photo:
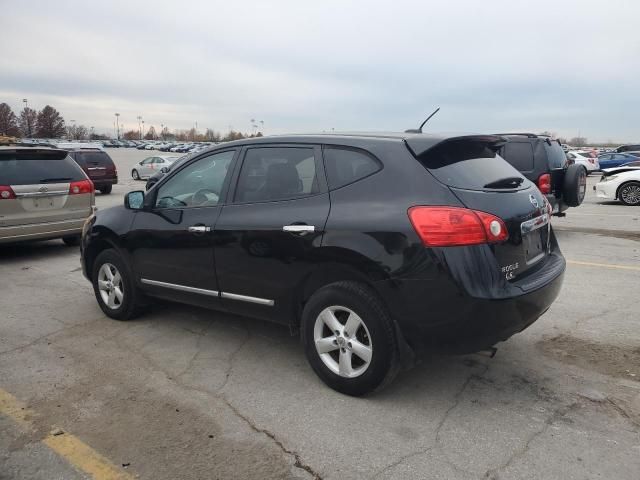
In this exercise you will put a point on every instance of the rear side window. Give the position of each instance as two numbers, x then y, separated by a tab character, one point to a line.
468	164
28	168
93	158
280	173
520	155
345	166
555	155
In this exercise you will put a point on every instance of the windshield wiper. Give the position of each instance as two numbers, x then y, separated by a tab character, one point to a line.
50	180
508	182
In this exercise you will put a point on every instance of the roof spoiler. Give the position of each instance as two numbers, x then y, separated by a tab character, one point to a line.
420	144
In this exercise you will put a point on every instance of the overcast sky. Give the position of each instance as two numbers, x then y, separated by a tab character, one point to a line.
567	66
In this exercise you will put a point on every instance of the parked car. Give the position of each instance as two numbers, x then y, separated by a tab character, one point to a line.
621	184
98	166
151	165
587	159
627	148
612	160
374	247
635	163
543	161
155	178
141	146
44	194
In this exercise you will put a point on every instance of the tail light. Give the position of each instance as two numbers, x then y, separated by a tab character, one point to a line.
6	193
544	183
591	160
452	226
82	186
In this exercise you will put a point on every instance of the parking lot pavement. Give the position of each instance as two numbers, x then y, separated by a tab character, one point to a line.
187	393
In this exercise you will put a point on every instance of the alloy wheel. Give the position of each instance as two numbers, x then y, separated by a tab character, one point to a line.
631	194
110	286
342	341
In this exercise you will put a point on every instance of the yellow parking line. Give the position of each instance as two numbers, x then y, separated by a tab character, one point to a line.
68	446
603	265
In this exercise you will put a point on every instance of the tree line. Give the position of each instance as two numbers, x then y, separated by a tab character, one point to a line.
48	123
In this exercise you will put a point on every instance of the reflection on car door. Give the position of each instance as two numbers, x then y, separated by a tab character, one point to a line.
267	238
171	244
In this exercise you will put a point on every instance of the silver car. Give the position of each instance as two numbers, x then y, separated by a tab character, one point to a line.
44	194
152	165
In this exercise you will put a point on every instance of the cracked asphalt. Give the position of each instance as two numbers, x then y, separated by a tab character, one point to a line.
186	393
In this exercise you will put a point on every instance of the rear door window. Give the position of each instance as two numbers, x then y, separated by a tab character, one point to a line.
345	166
470	164
29	168
277	173
520	155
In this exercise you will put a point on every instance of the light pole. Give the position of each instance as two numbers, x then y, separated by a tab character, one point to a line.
117	126
73	130
162	131
262	126
91	134
142	129
26	114
139	129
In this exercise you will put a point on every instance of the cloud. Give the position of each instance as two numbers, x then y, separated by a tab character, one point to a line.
495	65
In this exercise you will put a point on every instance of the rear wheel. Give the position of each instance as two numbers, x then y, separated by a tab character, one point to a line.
106	190
629	193
575	185
135	174
349	338
114	287
71	241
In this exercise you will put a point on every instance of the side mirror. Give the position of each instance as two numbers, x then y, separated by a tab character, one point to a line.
134	200
164	169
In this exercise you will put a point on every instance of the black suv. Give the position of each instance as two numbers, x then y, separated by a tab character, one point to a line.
374	247
543	161
98	166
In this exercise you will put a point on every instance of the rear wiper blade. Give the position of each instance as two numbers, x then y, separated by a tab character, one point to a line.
50	180
508	182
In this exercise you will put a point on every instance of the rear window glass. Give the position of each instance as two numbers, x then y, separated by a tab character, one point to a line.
93	158
468	164
346	166
556	156
29	169
519	154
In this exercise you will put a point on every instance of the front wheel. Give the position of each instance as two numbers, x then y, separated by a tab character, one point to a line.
135	174
349	338
114	287
629	193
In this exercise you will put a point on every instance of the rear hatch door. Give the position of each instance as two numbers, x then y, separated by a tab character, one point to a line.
40	180
97	164
483	181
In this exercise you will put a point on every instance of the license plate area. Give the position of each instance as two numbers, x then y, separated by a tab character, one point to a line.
535	238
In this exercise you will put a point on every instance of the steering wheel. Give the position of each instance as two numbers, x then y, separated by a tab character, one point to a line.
200	196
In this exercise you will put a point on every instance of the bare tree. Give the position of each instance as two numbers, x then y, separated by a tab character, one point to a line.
151	134
8	121
50	123
578	141
79	132
27	122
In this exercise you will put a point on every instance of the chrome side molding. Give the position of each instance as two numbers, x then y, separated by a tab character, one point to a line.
245	298
212	293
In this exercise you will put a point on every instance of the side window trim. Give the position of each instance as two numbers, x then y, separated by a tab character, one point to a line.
240	159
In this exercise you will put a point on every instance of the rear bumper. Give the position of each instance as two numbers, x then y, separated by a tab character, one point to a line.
437	315
104	181
42	231
557	205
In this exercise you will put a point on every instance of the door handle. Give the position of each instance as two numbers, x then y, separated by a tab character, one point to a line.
199	229
299	229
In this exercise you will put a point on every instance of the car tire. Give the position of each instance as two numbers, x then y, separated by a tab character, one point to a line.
106	190
71	241
129	303
575	185
629	193
135	175
353	363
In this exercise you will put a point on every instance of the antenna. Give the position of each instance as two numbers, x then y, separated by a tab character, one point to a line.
419	130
